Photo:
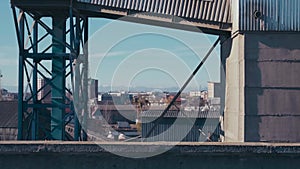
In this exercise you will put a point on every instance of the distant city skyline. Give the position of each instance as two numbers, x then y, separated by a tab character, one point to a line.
104	89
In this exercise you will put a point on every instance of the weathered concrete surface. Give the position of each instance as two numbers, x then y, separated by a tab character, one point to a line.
272	87
234	112
83	155
263	88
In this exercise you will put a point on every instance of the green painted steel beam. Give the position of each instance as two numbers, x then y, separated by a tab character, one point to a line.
58	75
34	122
20	35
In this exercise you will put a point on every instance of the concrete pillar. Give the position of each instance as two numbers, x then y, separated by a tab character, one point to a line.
263	88
226	44
234	97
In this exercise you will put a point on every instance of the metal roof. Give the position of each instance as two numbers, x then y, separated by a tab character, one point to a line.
8	114
182	114
208	10
212	16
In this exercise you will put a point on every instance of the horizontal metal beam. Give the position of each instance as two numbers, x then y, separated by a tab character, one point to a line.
47	105
47	56
34	4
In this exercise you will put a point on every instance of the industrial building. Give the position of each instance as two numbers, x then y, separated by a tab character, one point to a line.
260	54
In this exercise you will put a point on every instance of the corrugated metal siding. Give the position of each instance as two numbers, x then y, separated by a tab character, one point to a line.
9	114
277	15
183	114
187	124
183	131
206	10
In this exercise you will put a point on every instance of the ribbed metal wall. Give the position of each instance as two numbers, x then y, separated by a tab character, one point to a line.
188	124
206	10
183	131
277	15
183	114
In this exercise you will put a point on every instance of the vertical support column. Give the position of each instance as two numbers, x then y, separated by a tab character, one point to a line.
20	32
77	104
34	124
234	116
76	42
85	77
58	76
226	45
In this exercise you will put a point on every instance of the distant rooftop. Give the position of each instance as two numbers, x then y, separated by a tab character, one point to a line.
8	114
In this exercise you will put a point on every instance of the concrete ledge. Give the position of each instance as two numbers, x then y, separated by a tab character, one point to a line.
87	155
20	147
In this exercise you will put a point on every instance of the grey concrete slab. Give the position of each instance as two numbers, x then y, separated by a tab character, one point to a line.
65	155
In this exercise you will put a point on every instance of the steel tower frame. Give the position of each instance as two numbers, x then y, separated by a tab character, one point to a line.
52	47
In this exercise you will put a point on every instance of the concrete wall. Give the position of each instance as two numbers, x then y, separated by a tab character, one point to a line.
263	88
272	87
76	155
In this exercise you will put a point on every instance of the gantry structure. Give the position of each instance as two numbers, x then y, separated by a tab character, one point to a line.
52	38
52	53
259	52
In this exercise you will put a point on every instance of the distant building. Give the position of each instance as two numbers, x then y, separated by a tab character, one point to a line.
202	94
4	92
93	89
45	91
114	113
118	98
7	96
214	89
195	93
170	97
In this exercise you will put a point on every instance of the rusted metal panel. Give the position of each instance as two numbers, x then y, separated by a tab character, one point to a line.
205	10
269	15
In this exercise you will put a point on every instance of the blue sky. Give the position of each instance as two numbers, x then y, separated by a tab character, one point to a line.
8	46
127	54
